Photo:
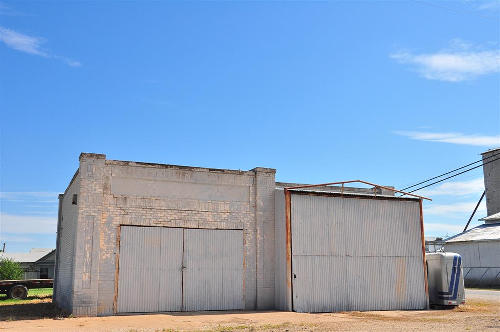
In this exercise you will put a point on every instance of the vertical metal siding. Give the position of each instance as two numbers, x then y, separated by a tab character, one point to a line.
213	274
170	293
356	254
151	276
149	269
481	263
281	291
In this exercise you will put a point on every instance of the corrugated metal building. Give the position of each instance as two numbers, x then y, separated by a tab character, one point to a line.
480	246
348	251
480	251
142	237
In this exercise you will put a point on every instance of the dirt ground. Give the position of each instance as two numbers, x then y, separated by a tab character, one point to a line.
476	315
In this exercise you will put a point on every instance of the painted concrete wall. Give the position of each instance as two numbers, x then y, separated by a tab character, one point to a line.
491	173
114	193
65	252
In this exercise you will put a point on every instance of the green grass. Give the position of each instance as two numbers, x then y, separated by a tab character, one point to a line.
33	294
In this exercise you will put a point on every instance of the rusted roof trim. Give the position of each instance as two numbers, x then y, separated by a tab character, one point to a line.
356	181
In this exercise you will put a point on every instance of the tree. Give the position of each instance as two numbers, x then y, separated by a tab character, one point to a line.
10	270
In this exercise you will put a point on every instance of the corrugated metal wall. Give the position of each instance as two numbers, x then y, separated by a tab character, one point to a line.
480	261
356	254
150	269
213	274
174	269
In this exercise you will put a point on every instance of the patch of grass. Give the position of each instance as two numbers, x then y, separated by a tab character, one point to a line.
224	328
265	327
274	326
34	294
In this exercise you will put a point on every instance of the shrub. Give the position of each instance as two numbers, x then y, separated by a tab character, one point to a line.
10	270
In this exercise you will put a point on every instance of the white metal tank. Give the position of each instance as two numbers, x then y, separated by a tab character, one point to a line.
445	277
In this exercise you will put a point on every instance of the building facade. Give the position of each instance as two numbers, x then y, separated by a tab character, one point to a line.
480	246
38	263
142	237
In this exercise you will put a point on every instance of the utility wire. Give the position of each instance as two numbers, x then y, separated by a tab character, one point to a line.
452	171
452	176
474	212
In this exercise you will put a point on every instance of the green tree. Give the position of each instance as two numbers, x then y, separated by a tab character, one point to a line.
10	270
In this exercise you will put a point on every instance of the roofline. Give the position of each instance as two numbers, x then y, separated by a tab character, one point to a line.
356	181
191	168
49	253
468	241
490	150
349	195
71	182
485	225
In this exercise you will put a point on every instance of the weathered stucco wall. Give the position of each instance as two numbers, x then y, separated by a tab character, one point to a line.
114	193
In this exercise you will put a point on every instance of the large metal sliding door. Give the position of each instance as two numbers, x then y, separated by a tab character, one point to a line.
150	274
213	274
356	254
174	269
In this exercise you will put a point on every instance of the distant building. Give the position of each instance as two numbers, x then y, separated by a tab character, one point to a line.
38	263
433	244
480	246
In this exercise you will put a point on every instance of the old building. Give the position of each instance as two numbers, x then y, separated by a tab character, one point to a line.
142	237
38	263
480	246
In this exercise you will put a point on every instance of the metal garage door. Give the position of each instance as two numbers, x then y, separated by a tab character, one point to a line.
213	274
150	274
174	269
356	254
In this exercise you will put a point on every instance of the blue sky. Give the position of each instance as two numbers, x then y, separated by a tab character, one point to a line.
388	92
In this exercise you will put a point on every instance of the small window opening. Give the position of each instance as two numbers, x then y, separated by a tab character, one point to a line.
44	273
75	199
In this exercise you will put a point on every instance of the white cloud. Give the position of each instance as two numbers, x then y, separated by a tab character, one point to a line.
31	45
23	43
489	5
17	239
23	194
443	228
454	138
27	224
456	188
460	62
455	209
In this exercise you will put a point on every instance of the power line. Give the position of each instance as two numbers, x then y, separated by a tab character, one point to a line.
456	169
474	212
452	176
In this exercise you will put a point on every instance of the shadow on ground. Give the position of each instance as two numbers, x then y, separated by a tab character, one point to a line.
39	310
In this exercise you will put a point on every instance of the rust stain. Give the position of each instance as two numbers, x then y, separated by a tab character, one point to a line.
117	269
288	237
375	186
401	278
423	251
